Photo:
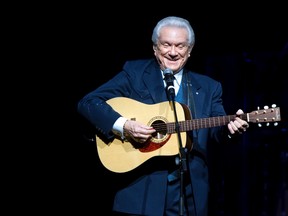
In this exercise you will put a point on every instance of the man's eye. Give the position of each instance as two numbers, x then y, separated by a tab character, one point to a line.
181	46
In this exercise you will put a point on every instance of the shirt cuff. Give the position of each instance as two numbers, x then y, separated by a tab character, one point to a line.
118	127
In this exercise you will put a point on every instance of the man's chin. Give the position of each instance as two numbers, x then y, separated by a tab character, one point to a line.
174	66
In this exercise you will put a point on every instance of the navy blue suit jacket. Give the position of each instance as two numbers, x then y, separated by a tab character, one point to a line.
143	189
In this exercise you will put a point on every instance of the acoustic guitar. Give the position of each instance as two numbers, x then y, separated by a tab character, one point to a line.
125	155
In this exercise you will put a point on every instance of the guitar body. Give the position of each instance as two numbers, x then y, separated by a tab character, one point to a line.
122	156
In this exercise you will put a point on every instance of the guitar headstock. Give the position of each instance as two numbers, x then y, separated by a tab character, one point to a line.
265	115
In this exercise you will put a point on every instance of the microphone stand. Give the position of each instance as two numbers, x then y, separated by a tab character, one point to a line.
182	158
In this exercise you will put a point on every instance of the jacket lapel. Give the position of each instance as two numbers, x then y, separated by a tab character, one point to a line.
154	81
198	95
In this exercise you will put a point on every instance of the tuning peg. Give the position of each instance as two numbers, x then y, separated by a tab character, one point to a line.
259	125
273	105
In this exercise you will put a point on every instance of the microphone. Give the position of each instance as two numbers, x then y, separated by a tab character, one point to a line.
169	79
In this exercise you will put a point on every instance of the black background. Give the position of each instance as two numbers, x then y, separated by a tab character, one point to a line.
78	47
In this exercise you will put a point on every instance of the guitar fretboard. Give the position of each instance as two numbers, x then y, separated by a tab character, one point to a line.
189	125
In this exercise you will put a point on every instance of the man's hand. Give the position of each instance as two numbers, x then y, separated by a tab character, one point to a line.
138	131
238	126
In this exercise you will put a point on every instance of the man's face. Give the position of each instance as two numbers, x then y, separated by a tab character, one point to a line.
172	50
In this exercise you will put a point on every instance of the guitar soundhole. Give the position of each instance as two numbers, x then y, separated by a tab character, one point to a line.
160	136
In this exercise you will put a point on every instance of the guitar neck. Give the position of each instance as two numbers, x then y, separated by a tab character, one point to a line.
190	125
